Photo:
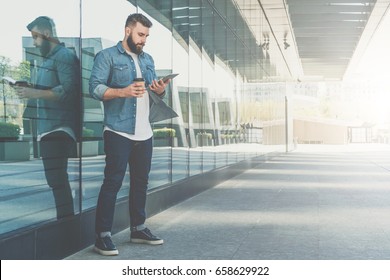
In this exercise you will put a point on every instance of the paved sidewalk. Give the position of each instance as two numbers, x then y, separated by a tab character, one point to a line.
317	202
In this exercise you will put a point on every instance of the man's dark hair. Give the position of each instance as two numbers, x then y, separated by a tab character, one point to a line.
134	18
43	23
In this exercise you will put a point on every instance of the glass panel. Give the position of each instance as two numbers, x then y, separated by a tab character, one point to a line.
210	127
220	6
232	108
195	86
165	132
180	64
100	30
39	119
228	95
221	89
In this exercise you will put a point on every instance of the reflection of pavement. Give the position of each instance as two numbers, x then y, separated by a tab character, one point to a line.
26	199
318	202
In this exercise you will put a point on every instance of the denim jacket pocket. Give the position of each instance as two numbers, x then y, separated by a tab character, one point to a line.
120	74
149	73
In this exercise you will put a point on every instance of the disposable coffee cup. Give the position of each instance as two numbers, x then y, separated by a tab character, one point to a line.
139	81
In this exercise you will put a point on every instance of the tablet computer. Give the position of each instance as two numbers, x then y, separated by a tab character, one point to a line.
170	76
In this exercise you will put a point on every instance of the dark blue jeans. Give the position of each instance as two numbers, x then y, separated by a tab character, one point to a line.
121	152
56	148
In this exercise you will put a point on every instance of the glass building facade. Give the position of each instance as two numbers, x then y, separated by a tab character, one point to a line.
230	96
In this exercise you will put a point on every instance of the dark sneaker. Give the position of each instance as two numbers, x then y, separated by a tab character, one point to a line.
145	237
104	246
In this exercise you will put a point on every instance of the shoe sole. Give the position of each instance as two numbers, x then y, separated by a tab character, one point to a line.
106	253
143	241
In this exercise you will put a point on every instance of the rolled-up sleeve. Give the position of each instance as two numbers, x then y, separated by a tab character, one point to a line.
99	76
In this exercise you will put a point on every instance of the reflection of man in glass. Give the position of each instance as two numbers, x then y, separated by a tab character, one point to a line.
54	97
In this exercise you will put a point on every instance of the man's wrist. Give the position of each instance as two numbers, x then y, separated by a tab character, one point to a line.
161	95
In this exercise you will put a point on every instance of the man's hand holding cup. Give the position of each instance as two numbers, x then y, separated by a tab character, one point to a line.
139	85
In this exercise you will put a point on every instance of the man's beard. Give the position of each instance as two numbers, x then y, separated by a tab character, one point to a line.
137	49
45	47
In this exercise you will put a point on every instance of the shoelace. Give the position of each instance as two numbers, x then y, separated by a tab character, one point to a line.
108	242
149	233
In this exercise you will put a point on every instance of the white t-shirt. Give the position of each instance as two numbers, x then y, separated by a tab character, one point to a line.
143	130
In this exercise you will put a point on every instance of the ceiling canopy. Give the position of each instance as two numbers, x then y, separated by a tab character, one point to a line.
325	37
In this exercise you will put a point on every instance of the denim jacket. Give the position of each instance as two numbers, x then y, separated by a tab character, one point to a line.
59	72
114	68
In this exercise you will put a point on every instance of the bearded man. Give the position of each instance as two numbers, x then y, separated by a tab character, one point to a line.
123	77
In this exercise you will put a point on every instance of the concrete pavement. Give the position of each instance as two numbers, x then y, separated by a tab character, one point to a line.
318	202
